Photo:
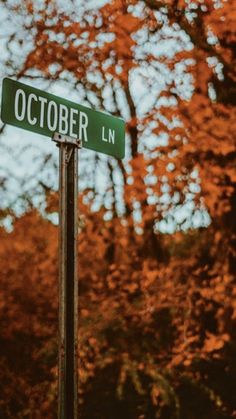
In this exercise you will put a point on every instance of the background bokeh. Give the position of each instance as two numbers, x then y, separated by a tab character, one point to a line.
157	238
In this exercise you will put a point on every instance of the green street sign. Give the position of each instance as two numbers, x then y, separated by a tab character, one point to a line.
34	110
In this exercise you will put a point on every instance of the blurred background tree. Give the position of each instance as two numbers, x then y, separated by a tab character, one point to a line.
157	230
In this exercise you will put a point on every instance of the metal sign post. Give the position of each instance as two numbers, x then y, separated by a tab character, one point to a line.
38	111
68	281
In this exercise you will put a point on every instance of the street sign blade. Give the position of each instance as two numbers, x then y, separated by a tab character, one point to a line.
37	111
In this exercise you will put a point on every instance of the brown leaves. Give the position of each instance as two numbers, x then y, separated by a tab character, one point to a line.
215	343
128	23
147	301
153	312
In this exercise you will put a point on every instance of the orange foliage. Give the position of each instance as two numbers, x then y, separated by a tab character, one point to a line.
157	312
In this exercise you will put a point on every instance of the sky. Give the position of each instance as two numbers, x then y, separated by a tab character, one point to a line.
23	154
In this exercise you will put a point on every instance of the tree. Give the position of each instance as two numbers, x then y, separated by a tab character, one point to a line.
157	311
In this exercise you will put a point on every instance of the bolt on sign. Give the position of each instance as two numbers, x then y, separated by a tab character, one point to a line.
69	125
34	110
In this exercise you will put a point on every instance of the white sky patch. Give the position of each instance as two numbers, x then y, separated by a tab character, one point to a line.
23	153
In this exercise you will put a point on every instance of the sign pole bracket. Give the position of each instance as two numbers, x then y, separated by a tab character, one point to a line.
68	276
